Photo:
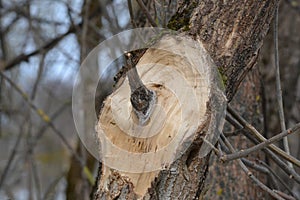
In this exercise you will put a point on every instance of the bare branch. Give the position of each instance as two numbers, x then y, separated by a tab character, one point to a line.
285	196
131	14
10	159
264	144
255	139
148	15
278	85
277	177
249	173
261	138
46	47
42	115
39	76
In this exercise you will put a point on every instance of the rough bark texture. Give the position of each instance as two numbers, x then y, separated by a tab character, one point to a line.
227	180
232	32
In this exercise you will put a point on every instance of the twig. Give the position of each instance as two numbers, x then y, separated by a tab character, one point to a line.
249	173
217	151
261	138
84	51
36	178
47	46
289	171
131	14
220	149
251	164
285	196
255	166
10	159
278	85
148	15
39	76
44	128
277	177
243	153
50	190
260	168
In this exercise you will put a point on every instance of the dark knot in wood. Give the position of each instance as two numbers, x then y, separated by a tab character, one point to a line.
141	99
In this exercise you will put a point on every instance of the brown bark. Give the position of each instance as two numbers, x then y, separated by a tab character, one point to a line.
232	32
228	181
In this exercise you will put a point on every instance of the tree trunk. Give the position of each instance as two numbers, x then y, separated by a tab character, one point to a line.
78	186
232	33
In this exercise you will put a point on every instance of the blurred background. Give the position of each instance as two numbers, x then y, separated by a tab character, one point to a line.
42	44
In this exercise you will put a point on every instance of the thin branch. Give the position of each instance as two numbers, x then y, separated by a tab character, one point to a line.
251	164
10	159
249	173
131	14
261	138
285	196
255	166
217	151
35	176
42	115
262	169
84	51
282	182
52	118
39	76
148	15
244	153
50	190
46	47
289	171
278	85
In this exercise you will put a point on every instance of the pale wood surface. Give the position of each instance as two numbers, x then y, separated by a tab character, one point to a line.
179	72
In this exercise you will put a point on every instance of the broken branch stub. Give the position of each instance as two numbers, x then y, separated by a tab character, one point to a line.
185	81
142	98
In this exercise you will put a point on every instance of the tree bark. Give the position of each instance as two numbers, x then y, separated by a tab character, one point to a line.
232	32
